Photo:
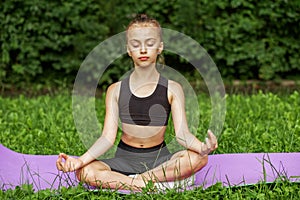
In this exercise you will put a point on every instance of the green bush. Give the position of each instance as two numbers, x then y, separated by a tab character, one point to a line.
43	36
246	39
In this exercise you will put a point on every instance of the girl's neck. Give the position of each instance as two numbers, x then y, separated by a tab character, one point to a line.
145	74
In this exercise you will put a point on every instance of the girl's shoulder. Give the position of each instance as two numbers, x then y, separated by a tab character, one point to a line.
173	85
174	90
114	86
114	89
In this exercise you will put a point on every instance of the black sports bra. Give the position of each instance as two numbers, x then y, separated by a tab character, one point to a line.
153	110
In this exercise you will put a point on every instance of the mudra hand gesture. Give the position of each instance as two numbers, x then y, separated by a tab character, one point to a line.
69	164
210	144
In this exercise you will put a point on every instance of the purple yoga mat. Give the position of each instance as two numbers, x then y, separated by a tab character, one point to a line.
39	170
229	169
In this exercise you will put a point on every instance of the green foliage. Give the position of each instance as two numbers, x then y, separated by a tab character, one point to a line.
246	39
38	37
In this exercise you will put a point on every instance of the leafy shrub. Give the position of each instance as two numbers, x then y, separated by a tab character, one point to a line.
246	39
42	36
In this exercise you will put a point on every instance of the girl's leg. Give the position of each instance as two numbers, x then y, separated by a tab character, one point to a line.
99	174
183	164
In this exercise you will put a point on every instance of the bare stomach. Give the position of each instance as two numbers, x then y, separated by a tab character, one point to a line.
143	136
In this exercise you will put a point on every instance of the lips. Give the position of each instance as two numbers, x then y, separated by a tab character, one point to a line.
143	58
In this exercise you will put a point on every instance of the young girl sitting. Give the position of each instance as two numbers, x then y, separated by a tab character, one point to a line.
142	101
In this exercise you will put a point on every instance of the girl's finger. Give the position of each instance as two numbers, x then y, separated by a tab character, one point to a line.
67	165
64	156
213	139
203	149
211	135
58	166
58	160
208	143
59	163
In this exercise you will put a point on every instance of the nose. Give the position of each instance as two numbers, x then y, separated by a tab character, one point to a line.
143	49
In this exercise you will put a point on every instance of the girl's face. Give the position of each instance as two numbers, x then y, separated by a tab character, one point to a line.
143	45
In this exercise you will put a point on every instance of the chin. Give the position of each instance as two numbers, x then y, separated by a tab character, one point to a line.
145	64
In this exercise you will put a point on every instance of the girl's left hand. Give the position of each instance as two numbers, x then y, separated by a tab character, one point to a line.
210	144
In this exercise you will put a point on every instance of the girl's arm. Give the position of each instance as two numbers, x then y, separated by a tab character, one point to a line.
109	132
105	142
183	135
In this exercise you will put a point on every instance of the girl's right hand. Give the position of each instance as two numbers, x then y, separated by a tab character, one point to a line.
69	164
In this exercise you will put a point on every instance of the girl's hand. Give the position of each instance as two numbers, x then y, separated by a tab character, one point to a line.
69	164
210	144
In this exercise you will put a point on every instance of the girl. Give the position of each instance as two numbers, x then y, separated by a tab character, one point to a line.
143	102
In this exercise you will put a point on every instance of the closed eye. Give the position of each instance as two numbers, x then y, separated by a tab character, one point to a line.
134	44
150	42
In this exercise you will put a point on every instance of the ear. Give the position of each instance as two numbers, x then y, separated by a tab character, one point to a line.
160	48
128	51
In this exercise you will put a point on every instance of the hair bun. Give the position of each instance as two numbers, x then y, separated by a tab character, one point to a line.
142	17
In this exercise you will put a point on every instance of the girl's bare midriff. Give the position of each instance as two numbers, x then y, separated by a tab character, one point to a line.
142	136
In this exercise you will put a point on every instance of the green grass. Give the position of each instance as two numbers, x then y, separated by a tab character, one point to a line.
284	191
261	122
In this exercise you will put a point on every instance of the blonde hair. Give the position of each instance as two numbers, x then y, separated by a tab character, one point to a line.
144	21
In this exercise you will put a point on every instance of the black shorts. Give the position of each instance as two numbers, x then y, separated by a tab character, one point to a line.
130	160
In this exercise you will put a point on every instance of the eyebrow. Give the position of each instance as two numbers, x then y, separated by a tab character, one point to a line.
135	40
